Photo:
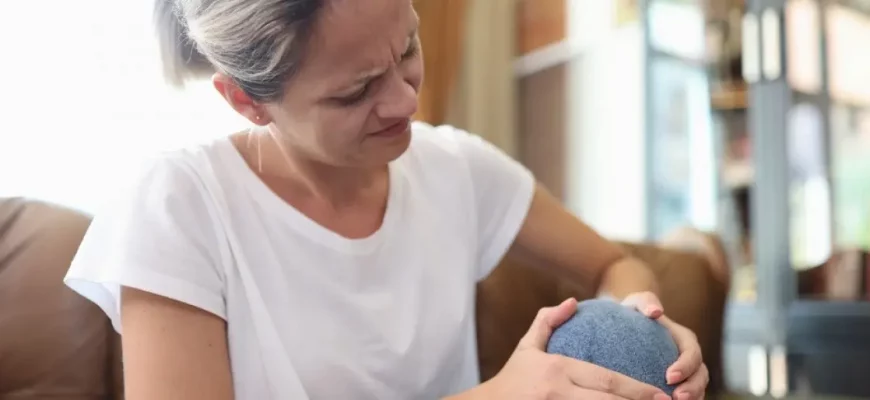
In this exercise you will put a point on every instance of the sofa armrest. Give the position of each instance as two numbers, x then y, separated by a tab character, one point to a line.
692	295
53	342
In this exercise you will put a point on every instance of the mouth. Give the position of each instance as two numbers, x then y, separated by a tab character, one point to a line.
393	130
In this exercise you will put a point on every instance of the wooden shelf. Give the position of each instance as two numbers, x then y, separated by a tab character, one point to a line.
813	326
829	326
831	309
548	56
730	98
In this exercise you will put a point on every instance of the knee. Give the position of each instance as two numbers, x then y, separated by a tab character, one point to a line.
615	337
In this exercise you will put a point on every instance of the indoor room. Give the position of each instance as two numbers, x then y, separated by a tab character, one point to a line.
452	199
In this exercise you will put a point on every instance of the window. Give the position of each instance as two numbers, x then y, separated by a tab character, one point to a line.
83	100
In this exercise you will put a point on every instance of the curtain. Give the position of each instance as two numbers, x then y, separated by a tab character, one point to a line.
441	34
84	100
484	101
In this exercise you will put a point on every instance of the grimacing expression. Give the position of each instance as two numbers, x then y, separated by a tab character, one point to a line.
361	74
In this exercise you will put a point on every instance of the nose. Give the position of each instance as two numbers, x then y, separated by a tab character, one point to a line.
399	100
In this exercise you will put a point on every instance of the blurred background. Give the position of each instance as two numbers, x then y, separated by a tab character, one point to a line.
748	121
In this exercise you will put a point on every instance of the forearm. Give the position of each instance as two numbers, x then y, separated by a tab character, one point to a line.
625	276
554	239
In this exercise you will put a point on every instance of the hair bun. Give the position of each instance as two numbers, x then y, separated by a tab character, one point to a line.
180	58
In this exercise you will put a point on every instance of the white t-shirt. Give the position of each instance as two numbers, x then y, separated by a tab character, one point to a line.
311	314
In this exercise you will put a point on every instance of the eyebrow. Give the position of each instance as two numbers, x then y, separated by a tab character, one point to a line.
373	74
365	78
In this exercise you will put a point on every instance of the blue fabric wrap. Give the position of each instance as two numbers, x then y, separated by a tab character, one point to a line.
621	339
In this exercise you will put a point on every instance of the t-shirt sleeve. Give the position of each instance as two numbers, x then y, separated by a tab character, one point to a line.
503	190
159	237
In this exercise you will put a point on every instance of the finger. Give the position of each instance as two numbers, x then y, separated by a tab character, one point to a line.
690	359
695	387
598	379
645	302
575	392
547	320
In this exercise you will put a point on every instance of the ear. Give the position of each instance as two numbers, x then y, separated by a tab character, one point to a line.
239	100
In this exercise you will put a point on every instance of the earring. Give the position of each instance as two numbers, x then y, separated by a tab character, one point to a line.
259	155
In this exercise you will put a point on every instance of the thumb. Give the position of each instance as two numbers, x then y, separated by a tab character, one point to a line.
547	320
645	302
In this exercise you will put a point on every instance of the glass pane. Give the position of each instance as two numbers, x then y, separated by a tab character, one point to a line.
851	136
677	28
729	103
735	200
848	32
851	147
803	39
810	221
683	167
837	208
831	256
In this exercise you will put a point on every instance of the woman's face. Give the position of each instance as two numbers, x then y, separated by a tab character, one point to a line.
351	101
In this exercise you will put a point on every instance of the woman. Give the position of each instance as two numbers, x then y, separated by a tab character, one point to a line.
333	251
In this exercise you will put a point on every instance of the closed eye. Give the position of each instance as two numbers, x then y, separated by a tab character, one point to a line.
413	49
355	97
360	95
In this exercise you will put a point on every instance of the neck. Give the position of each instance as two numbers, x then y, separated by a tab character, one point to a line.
335	185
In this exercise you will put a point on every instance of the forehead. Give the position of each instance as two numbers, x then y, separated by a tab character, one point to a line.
351	36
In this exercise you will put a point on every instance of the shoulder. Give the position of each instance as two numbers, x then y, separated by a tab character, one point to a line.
166	186
177	173
160	233
444	143
472	151
436	153
440	138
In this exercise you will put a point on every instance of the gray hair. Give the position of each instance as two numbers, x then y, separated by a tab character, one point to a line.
257	43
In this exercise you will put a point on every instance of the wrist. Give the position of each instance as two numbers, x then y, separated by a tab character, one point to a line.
604	295
627	276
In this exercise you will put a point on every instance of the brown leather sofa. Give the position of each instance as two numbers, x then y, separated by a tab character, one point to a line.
56	345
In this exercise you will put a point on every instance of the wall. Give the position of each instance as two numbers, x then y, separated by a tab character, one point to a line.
543	127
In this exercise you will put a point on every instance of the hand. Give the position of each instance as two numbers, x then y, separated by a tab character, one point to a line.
531	373
689	367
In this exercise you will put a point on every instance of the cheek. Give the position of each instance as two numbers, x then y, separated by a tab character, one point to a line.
342	126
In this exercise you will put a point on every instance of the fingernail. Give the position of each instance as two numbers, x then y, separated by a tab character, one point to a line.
682	396
661	396
674	377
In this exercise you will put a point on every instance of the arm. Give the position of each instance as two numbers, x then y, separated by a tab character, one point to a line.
553	238
173	350
159	237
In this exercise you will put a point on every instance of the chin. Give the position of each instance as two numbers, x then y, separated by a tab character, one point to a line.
384	150
394	150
